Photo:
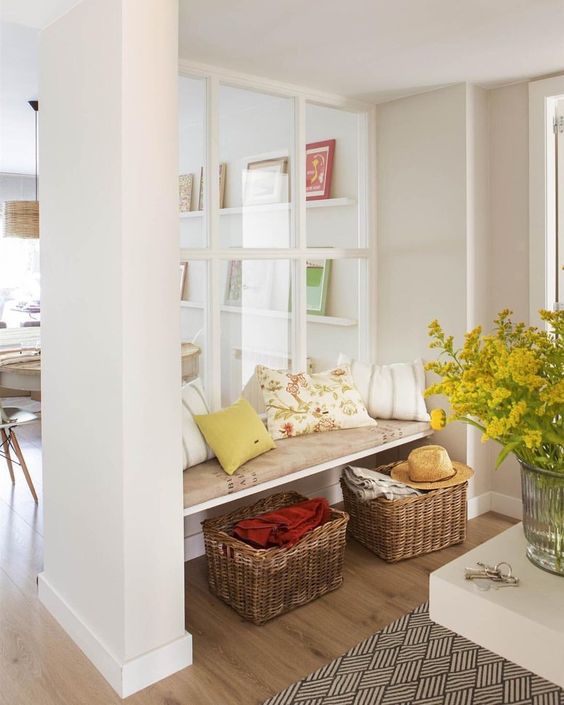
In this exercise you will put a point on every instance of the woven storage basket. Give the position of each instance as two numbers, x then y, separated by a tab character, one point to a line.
408	527
262	583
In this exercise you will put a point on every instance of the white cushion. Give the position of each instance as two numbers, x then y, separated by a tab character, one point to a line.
299	403
195	449
391	391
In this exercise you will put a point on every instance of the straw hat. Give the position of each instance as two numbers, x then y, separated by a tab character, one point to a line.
430	468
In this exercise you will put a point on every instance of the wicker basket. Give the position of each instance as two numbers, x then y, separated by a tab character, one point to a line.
408	527
262	583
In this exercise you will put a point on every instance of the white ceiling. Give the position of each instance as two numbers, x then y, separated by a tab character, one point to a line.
377	49
18	84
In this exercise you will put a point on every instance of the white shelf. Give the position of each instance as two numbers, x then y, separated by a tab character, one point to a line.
332	320
270	207
267	313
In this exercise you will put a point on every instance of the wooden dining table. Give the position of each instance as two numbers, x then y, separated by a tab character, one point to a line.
23	376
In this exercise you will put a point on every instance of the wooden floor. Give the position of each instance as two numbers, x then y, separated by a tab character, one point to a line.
235	663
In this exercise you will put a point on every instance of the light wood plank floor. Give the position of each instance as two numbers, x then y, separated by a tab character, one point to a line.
236	663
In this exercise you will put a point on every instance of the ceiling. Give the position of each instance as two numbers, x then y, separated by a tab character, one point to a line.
377	49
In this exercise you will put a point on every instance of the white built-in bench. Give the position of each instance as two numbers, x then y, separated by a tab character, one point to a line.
207	486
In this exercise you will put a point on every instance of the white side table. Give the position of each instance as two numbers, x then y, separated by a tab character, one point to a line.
524	624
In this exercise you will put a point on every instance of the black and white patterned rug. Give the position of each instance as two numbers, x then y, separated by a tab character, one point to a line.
414	661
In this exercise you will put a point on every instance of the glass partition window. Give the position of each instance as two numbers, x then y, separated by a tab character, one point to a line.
255	151
333	300
193	309
270	281
255	324
332	169
191	160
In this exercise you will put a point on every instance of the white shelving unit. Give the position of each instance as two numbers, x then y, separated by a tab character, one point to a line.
271	207
268	313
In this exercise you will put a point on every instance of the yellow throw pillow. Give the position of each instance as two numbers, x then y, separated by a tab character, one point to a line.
235	434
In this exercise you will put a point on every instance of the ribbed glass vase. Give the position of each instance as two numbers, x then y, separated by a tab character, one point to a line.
543	517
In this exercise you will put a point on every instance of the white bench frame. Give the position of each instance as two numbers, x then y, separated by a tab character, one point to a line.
305	472
193	544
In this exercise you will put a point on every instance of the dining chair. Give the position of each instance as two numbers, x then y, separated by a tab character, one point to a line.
11	417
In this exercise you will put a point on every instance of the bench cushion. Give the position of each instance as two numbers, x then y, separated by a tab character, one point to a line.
207	480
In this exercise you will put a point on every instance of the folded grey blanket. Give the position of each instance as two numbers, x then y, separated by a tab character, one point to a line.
370	484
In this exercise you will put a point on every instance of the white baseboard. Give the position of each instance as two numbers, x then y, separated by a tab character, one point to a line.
505	504
479	505
495	502
125	678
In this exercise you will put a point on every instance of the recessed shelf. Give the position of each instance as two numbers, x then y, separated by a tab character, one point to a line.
270	207
268	313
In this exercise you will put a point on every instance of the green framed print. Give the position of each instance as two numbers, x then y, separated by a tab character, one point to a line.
317	283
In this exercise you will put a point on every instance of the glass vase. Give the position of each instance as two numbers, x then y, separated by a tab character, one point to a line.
543	517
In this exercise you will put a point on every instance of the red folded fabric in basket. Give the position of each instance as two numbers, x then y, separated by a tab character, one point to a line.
285	526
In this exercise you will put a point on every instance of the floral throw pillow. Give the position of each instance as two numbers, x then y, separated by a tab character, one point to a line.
301	403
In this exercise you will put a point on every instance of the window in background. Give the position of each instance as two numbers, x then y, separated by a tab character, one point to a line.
19	261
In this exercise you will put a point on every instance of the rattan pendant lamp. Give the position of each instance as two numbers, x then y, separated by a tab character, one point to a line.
21	218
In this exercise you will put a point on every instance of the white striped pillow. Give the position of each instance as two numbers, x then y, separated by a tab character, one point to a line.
391	391
194	448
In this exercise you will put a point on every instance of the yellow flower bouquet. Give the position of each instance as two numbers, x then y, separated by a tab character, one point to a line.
509	384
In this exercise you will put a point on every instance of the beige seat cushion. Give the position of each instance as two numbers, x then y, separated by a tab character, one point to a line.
207	480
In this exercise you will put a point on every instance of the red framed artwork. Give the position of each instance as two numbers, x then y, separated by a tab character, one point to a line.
319	169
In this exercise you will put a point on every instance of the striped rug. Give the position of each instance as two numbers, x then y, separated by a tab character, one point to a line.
414	661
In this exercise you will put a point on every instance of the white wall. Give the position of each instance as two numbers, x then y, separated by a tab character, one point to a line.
113	501
422	227
453	240
478	258
509	225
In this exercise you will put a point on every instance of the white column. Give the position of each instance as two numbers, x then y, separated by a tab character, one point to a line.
113	573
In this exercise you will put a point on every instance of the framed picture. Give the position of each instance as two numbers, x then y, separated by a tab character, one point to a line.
319	169
265	181
185	186
222	175
317	285
183	280
249	284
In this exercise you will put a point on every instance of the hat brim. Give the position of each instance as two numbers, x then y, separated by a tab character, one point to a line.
462	474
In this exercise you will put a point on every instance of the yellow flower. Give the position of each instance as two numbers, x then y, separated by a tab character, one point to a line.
509	383
532	439
438	419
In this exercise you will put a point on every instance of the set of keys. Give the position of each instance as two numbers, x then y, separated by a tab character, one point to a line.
488	576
